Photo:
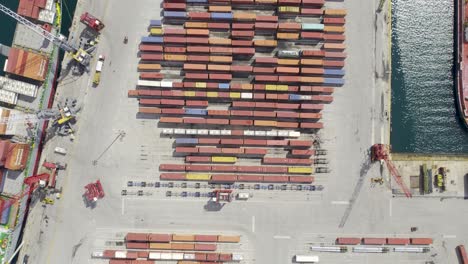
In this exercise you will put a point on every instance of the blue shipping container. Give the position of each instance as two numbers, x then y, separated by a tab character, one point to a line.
309	26
5	215
191	111
215	15
223	85
336	81
295	97
174	14
334	72
186	141
152	39
155	23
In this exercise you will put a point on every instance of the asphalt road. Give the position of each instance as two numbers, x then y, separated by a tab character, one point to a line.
272	229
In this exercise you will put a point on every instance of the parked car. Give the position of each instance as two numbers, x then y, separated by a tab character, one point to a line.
257	186
124	192
130	184
157	184
197	194
183	194
271	187
168	193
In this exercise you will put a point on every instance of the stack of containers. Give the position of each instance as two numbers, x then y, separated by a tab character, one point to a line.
214	52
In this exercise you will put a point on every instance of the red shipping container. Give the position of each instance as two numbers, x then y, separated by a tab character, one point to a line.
224	168
243	104
237	132
277	142
311	35
206	238
151	75
186	150
193	120
232	141
255	151
205	247
194	40
215	76
143	254
160	237
197	159
223	94
287	106
264	114
312	106
177	40
197	167
265	26
270	70
222	178
317	125
289	79
284	114
216	121
300	143
150	101
176	120
275	169
151	57
142	237
173	111
311	11
333	20
137	245
373	241
267	19
221	50
223	26
313	2
241	113
267	60
242	43
244	26
196	103
200	256
197	76
174	6
300	161
244	51
303	152
398	241
172	167
199	15
266	78
235	122
275	179
242	34
174	49
421	241
289	26
148	47
174	31
241	68
172	176
211	150
212	256
249	178
233	151
334	37
275	160
225	257
301	179
313	53
336	64
348	241
198	49
219	112
255	142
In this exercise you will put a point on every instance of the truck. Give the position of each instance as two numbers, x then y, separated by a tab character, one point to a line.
91	21
306	259
243	196
60	150
97	73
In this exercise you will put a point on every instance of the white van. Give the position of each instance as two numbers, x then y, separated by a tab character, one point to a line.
243	196
60	150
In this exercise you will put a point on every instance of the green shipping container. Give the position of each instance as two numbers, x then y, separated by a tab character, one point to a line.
309	26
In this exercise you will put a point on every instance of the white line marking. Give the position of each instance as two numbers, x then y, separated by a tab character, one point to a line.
449	236
340	202
253	223
382	135
123	206
281	237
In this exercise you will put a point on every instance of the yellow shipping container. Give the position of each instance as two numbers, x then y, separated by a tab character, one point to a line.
335	12
177	237
281	87
288	62
335	29
311	62
198	176
300	170
271	87
234	95
160	245
223	159
189	93
287	35
229	239
200	85
212	94
156	31
289	9
246	86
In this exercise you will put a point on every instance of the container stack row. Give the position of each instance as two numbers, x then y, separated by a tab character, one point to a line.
383	241
227	83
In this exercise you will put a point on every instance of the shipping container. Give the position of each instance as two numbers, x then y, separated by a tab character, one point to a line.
348	241
312	27
311	11
139	237
137	245
172	176
276	179
206	238
398	241
159	237
205	247
182	246
228	239
335	12
166	246
267	18
301	179
374	241
421	241
149	67
334	20
334	46
150	47
223	178
249	178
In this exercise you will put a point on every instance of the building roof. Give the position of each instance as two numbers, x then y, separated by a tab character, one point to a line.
27	64
18	156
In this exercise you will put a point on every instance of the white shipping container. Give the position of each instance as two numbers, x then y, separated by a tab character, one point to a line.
177	256
260	133
237	257
149	83
168	131
191	132
272	133
283	133
166	256
215	132
179	131
8	97
154	255
120	254
246	95
166	83
18	87
226	132
202	131
249	133
294	134
306	97
189	256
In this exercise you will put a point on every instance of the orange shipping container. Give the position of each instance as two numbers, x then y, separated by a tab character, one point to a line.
147	67
182	246
188	66
334	29
198	32
229	239
338	46
196	25
288	62
280	35
221	59
287	70
266	123
176	237
312	79
311	62
244	16
173	57
160	246
214	67
219	41
219	8
265	43
335	12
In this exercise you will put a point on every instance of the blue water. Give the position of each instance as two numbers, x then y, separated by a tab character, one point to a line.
7	28
424	115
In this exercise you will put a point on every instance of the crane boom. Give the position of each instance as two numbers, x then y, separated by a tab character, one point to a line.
60	41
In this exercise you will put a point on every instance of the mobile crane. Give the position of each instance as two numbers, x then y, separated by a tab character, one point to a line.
379	152
78	54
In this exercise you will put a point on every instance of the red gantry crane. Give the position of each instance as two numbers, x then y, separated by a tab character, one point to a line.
31	186
94	191
380	153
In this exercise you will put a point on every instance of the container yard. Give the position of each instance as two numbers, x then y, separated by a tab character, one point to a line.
239	131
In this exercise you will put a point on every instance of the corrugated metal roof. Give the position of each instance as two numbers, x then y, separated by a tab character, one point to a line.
18	86
17	157
27	64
